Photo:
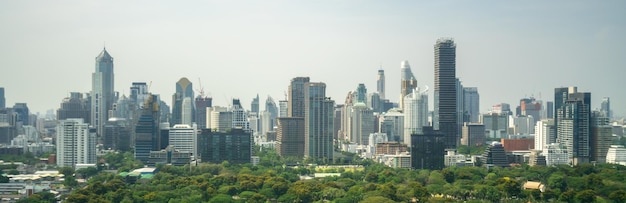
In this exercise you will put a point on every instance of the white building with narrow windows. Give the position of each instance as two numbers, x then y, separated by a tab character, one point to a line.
76	143
184	138
616	155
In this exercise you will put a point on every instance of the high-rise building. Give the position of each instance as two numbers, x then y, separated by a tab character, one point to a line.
239	116
473	134
496	124
147	132
550	110
184	138
221	119
445	118
530	107
76	143
234	146
296	97
574	125
21	109
428	149
254	105
544	134
3	101
183	110
471	103
408	82
605	107
318	121
139	92
74	106
102	90
283	108
415	113
202	103
117	134
461	115
392	124
361	94
380	83
361	123
270	107
601	137
375	103
523	125
290	136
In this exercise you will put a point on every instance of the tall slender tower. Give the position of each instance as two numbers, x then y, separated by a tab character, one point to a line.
407	81
102	90
445	118
318	121
380	83
415	113
605	107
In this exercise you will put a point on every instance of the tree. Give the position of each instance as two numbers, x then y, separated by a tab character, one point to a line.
377	199
66	171
586	196
618	196
87	172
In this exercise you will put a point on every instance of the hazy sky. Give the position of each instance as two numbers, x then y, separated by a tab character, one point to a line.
508	50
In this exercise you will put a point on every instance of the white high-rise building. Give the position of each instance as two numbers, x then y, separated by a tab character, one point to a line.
544	134
184	138
415	113
76	143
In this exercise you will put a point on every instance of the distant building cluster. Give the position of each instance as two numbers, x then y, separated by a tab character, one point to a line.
306	123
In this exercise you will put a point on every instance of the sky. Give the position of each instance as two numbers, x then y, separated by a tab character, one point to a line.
238	49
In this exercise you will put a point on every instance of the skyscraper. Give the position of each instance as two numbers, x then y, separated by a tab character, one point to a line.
202	103
290	136
361	94
380	83
116	134
184	89
296	97
445	118
605	107
254	106
3	101
76	143
408	82
147	133
270	106
471	103
102	90
318	121
22	113
601	137
574	125
415	113
544	134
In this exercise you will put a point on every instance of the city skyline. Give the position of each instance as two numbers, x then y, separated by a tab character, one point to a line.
498	48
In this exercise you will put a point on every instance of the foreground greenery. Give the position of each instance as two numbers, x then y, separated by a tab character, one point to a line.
272	181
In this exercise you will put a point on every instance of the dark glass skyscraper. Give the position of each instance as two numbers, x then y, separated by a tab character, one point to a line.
427	149
445	118
234	146
102	90
147	131
574	126
74	106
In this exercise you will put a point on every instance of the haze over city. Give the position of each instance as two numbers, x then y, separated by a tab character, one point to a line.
240	49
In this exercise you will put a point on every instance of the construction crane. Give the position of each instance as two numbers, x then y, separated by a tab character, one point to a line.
201	89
